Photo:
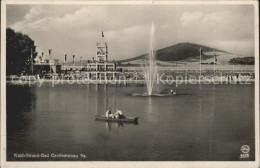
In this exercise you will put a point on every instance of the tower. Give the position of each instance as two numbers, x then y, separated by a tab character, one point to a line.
102	51
103	68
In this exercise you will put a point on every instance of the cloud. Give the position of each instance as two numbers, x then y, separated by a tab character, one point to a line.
191	17
221	27
75	29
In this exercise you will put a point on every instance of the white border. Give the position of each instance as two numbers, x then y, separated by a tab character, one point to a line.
176	164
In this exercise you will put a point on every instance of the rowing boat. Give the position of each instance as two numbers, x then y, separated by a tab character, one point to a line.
127	119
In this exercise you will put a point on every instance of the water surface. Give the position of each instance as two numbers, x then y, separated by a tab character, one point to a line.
211	123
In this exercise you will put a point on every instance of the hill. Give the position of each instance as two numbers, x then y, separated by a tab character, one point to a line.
177	52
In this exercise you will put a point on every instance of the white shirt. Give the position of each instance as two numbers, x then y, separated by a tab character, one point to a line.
119	112
107	113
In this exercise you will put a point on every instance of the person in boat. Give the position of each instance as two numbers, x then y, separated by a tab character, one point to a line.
119	114
109	114
171	91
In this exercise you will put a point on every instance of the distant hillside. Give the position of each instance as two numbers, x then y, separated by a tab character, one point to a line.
177	52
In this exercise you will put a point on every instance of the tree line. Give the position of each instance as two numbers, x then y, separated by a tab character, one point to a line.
242	61
19	48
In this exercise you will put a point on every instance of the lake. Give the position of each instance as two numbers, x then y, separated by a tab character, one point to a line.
200	123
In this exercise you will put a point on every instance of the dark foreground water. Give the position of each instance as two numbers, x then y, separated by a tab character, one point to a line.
211	123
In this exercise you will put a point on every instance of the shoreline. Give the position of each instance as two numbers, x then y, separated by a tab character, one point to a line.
131	82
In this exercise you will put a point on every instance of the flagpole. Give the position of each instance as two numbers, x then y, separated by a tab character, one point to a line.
74	62
50	59
102	38
64	60
32	60
63	65
200	61
214	62
80	61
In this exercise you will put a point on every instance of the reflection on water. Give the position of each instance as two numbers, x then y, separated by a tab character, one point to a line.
207	122
115	125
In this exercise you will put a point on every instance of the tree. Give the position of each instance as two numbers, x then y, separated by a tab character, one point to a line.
18	52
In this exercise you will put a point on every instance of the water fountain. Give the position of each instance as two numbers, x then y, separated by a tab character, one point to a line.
150	70
150	67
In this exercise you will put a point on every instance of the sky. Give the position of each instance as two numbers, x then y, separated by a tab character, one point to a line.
75	29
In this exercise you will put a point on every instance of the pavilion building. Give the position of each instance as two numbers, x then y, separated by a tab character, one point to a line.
99	67
46	65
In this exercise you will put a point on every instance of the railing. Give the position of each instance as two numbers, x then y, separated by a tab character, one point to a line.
102	44
44	63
